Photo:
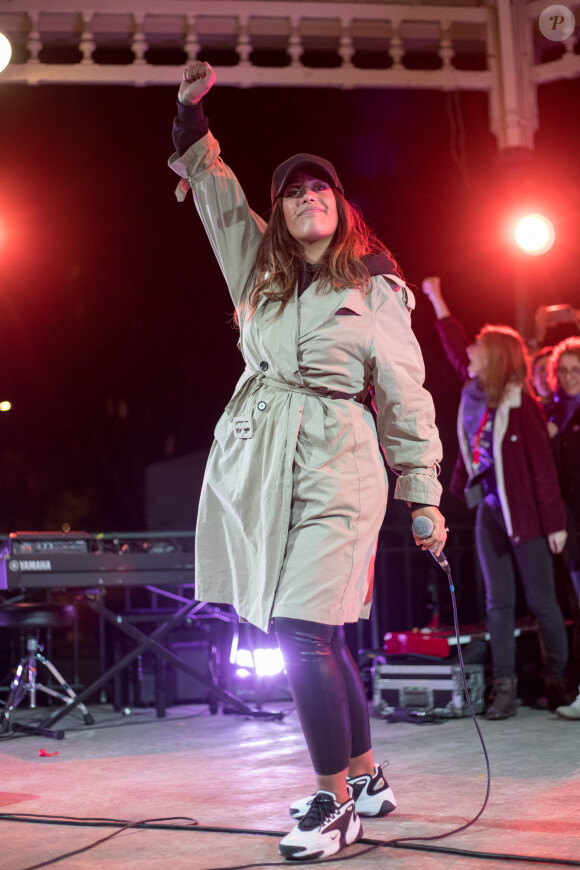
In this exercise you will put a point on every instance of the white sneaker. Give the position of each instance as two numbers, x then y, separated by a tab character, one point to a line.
572	711
326	828
372	796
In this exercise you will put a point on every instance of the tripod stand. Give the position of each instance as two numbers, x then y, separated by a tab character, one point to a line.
26	682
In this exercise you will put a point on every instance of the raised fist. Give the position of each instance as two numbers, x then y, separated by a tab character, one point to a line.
432	286
198	79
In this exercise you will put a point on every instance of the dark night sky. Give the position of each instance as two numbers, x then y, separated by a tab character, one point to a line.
115	324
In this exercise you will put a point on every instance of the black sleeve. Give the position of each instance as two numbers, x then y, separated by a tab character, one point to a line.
189	126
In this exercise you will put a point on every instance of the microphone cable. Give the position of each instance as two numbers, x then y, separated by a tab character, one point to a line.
444	565
422	527
370	844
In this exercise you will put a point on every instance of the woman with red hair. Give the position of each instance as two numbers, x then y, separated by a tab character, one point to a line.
506	468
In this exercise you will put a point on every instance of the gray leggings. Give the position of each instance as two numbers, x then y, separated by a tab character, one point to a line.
328	692
499	556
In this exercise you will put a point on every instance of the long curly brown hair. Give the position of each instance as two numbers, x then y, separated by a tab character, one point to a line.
280	257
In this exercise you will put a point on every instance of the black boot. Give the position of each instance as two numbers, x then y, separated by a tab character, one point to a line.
503	698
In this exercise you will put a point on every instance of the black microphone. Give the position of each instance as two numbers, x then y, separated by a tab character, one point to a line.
423	527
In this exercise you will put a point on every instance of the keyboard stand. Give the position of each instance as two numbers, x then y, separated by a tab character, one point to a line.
149	642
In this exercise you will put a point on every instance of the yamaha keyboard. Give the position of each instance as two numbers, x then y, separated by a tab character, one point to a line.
73	560
43	560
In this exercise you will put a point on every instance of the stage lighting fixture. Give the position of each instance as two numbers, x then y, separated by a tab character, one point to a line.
5	52
266	662
534	234
256	668
244	658
258	673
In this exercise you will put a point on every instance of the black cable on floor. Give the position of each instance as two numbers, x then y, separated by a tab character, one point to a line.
193	826
467	853
398	843
125	827
127	721
113	722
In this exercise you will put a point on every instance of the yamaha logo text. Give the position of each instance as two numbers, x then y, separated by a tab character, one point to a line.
29	565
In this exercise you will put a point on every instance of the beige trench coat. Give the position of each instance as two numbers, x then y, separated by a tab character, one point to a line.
295	488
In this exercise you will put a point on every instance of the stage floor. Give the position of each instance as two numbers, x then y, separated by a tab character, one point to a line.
236	776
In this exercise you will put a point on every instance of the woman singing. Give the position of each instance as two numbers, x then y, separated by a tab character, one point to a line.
295	488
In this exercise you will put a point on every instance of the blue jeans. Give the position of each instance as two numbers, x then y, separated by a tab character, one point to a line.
499	556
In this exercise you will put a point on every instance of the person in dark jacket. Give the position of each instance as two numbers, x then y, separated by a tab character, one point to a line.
506	468
564	428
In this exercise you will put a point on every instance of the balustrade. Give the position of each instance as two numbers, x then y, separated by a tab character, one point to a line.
297	44
317	44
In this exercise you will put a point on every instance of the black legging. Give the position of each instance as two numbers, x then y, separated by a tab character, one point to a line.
328	692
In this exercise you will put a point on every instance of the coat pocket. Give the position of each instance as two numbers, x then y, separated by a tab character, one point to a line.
223	430
315	447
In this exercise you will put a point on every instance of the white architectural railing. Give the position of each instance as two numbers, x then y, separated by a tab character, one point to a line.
493	47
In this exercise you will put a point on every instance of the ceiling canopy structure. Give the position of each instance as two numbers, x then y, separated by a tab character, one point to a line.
501	47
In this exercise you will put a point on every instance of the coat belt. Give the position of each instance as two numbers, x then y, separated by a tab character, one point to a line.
260	379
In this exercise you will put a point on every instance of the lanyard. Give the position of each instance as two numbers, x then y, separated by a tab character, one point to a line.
477	437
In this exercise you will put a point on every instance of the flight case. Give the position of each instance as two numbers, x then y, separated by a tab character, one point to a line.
436	689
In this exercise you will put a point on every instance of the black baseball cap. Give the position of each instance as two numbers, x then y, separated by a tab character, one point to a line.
321	167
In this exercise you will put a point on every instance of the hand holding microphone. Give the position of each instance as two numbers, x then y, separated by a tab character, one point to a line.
423	528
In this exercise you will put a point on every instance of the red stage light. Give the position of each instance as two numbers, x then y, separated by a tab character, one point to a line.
5	51
534	234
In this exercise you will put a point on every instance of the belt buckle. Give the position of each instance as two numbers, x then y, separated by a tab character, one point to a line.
243	427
